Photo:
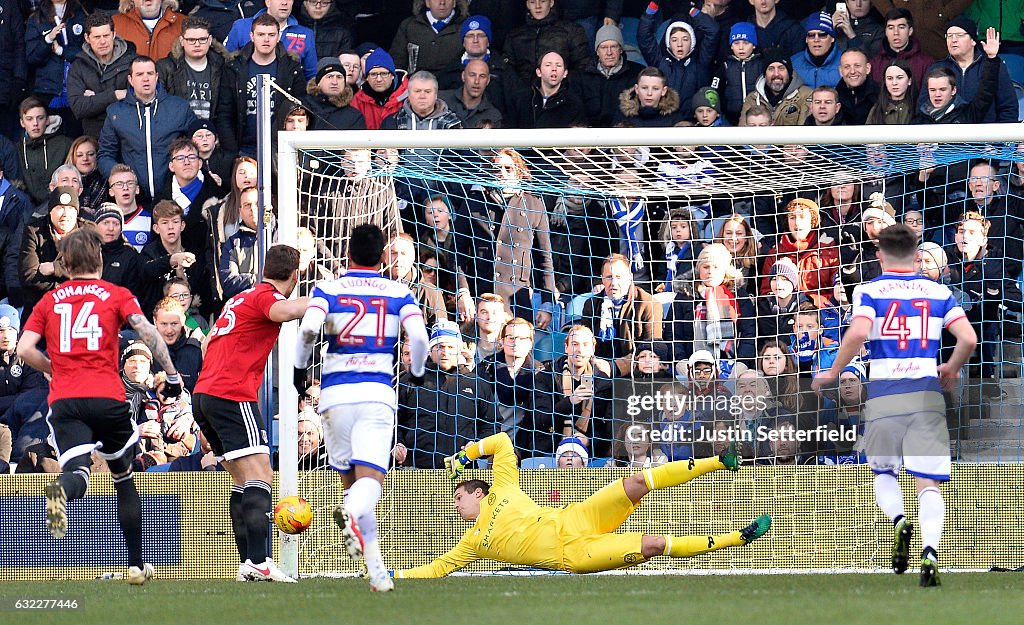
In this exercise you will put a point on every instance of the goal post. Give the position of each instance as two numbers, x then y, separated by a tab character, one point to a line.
718	164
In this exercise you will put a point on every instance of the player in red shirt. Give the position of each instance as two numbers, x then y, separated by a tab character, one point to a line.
80	321
226	408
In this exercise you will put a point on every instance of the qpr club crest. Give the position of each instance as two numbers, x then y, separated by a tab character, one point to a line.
16	370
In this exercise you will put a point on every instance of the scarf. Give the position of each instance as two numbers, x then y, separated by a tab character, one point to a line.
608	72
137	396
672	256
630	219
184	196
610	308
715	320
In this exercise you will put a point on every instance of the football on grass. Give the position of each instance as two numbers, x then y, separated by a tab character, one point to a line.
292	515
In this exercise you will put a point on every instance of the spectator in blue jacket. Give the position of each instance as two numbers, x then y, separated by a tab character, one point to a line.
684	55
818	63
298	40
237	267
139	129
967	60
52	42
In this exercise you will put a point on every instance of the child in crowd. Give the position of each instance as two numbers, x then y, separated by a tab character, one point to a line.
815	352
737	74
678	231
777	308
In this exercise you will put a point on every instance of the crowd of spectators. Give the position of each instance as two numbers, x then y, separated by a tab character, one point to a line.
140	120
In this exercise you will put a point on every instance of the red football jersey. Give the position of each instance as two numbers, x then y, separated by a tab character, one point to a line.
240	343
80	321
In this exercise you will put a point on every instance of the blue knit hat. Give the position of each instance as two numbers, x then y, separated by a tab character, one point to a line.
743	31
821	21
857	368
9	317
380	58
477	22
445	331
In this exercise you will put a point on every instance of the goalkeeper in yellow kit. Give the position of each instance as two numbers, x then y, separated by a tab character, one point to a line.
510	527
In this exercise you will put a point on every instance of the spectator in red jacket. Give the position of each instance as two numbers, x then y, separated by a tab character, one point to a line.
814	252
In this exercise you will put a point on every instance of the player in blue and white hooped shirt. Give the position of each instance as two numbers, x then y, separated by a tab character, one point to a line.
362	314
902	315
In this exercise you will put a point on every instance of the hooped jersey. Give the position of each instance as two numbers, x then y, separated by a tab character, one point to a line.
908	313
364	316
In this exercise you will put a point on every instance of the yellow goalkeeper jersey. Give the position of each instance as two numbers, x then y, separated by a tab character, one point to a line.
511	527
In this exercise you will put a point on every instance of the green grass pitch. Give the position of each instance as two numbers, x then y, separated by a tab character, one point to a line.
964	598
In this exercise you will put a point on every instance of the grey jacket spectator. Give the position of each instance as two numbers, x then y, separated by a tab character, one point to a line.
418	46
40	157
102	78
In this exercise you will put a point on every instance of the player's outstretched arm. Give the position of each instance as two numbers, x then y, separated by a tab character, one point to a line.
149	335
288	310
28	350
461	555
506	472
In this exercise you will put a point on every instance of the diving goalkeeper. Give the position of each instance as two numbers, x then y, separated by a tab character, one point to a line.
510	527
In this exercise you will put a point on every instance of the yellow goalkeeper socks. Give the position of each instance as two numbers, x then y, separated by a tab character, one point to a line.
687	546
680	472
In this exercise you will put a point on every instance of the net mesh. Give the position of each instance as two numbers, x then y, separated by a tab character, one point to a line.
534	227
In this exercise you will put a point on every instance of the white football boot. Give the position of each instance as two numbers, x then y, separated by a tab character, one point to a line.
265	571
137	576
349	532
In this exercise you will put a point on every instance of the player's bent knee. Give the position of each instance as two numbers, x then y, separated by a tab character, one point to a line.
652	546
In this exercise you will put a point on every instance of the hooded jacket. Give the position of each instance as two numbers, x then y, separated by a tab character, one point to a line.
334	112
157	44
331	33
230	112
439	119
816	260
139	135
49	66
434	50
665	115
814	75
173	72
89	73
525	44
688	74
38	159
792	109
297	40
376	111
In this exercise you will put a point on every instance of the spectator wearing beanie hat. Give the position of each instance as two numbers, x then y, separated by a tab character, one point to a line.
122	265
329	97
383	90
818	63
736	76
477	44
685	55
604	79
781	91
776	309
707	108
967	61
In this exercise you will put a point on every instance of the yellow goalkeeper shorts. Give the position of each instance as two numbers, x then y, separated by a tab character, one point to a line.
589	545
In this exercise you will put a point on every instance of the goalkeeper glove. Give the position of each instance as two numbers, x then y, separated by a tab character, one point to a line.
300	380
172	389
456	464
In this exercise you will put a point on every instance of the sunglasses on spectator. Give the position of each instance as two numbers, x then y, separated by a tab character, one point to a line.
817	35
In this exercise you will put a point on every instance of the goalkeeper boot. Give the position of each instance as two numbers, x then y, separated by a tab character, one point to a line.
929	573
901	546
349	532
731	457
756	529
138	576
56	509
266	571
